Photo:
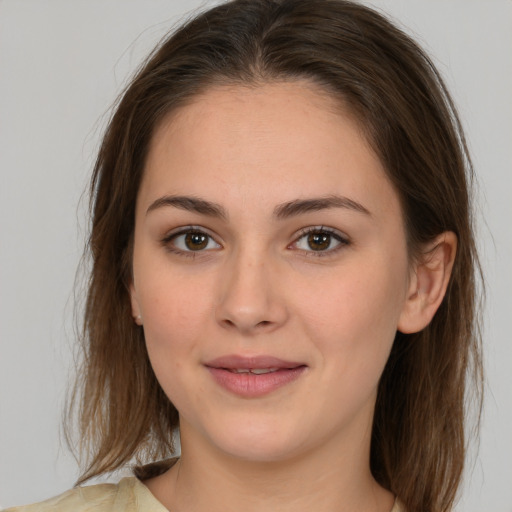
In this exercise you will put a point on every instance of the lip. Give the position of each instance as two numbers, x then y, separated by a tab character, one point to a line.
249	385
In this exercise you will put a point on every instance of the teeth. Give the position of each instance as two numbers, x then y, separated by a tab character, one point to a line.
259	371
256	371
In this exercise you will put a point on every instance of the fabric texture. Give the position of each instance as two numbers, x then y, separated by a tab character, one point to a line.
129	495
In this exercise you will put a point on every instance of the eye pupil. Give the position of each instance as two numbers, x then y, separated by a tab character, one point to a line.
196	241
319	241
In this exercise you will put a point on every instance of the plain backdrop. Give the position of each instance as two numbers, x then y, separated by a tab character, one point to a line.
62	63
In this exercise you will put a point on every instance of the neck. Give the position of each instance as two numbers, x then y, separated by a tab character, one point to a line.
325	480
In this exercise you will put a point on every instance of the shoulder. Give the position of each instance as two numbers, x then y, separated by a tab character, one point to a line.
125	496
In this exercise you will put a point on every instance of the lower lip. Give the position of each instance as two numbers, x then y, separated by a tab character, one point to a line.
250	385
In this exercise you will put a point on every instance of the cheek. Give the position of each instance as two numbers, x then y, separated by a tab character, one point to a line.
172	328
353	316
172	300
175	310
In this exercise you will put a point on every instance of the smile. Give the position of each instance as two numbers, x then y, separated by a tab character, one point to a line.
252	377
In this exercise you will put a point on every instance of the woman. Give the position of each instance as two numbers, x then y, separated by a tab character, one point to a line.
283	267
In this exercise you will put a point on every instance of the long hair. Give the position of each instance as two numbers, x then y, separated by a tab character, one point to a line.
361	59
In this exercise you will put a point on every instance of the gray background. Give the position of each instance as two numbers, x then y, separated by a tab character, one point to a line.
62	63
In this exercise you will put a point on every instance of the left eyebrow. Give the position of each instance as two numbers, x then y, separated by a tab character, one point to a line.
300	206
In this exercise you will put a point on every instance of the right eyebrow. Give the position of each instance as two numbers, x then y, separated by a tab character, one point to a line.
191	204
301	206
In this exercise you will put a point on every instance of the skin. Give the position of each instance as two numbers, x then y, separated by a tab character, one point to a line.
258	288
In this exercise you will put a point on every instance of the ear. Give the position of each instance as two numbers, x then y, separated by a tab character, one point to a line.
136	313
429	280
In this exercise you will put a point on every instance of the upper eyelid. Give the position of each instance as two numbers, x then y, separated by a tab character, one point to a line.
325	229
187	229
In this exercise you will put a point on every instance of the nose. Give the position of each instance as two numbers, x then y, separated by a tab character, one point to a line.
250	300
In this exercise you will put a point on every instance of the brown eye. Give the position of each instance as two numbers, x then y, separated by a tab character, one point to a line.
190	241
196	241
319	241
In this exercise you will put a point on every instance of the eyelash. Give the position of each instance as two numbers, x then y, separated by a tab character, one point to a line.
168	239
342	241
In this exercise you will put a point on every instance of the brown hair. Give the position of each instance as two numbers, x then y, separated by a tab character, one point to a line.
360	58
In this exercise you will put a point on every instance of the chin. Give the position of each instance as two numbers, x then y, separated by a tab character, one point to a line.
259	442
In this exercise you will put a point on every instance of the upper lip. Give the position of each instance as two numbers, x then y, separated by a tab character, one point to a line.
247	362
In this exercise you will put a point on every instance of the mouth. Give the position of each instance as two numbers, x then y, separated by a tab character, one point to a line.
256	371
251	377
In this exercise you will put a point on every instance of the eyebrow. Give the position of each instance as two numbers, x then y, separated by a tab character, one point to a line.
300	206
191	204
282	211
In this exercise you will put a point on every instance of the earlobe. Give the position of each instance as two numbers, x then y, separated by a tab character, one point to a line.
428	283
137	317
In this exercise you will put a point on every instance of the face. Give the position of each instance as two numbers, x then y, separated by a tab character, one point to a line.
270	270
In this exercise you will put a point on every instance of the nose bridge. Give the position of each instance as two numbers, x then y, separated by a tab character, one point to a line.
249	300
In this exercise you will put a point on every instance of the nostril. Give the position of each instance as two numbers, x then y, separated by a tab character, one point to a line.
230	324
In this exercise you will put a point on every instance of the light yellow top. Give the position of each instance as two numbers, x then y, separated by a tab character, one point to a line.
129	495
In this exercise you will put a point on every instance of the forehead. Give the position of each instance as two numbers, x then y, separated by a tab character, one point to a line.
256	110
279	141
